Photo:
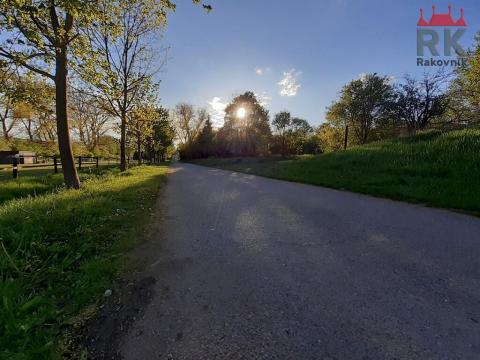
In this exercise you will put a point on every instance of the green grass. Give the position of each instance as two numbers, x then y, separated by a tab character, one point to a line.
433	168
27	171
60	251
38	180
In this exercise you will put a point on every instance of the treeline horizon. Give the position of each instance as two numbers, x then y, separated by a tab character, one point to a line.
369	108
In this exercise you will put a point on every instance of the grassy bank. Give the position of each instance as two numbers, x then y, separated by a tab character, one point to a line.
61	250
437	169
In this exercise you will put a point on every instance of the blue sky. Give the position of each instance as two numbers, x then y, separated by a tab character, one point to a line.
318	45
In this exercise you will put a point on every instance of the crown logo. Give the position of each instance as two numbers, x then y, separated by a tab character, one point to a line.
442	19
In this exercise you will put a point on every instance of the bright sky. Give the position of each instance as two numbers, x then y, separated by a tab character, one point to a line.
295	55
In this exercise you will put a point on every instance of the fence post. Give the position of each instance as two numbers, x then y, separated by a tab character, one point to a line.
96	162
79	163
345	142
55	164
15	167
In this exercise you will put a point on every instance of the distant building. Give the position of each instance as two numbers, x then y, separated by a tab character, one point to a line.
24	157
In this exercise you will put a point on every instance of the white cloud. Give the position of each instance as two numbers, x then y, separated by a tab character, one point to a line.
263	98
289	84
217	111
262	71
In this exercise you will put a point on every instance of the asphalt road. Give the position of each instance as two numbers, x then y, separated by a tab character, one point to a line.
253	268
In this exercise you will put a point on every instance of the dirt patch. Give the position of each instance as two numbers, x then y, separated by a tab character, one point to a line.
102	336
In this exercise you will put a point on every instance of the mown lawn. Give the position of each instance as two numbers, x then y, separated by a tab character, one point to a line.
38	180
61	250
433	168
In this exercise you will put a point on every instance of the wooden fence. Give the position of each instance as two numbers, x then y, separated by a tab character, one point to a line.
18	162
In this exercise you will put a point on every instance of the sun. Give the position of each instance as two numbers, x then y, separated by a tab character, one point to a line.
241	112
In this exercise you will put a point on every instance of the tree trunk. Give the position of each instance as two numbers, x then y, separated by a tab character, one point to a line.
345	140
28	127
4	117
5	131
139	150
123	142
68	164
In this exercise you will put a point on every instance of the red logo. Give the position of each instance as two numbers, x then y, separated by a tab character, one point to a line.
444	19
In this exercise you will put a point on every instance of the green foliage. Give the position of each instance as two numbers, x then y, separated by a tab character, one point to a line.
150	127
438	169
61	250
42	36
161	144
188	124
363	103
331	138
121	74
282	123
418	102
299	135
106	147
464	92
37	29
247	136
204	144
39	147
292	135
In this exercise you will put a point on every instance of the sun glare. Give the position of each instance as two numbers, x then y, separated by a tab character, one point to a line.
241	112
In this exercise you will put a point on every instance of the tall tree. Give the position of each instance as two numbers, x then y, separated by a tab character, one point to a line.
204	144
419	101
362	103
246	131
464	91
89	120
34	101
188	122
39	36
127	62
300	134
161	140
282	123
292	133
141	124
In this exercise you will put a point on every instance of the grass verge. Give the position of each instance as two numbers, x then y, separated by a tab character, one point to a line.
433	168
35	181
60	251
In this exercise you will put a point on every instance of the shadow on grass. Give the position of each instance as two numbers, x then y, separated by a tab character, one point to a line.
61	250
41	182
